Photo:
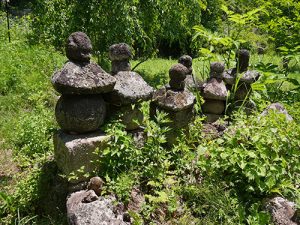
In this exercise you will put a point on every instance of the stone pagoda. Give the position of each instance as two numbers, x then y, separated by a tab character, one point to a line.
80	110
214	93
177	102
130	89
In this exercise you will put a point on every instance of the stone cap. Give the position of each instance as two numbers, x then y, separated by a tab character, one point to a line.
78	47
119	52
79	79
178	72
248	77
215	89
216	69
173	100
186	60
228	77
130	88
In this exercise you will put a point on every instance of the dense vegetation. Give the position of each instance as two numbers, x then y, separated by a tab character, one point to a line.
200	180
168	25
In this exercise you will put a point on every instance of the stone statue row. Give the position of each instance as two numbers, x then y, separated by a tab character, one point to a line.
89	95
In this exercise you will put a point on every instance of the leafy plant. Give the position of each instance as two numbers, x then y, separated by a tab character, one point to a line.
223	45
257	156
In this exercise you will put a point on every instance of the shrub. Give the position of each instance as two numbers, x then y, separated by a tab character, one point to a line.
258	156
33	133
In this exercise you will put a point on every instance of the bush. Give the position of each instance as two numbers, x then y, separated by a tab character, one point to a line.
33	134
258	157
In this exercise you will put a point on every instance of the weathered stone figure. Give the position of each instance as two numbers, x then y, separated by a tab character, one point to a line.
190	81
214	93
130	88
176	101
81	110
120	55
241	75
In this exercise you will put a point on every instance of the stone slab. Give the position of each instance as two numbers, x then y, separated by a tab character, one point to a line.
171	100
82	78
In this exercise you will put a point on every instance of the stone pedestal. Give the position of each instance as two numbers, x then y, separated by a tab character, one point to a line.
76	154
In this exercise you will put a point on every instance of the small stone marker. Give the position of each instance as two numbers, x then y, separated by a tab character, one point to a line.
278	108
130	88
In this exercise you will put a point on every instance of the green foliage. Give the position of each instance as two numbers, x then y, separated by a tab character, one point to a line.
282	23
142	24
22	201
216	203
123	155
222	45
122	185
257	156
33	134
277	83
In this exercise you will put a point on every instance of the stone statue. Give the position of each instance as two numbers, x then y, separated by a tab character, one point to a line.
177	102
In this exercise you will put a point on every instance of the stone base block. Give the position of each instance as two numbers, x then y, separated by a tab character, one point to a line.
130	115
75	154
211	118
213	106
243	92
179	121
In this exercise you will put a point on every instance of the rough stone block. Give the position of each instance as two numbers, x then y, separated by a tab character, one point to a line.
85	208
211	118
213	107
77	152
